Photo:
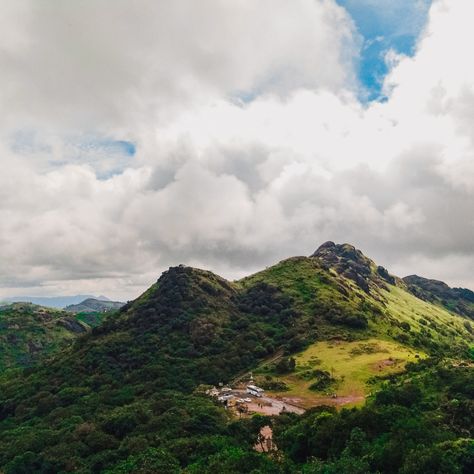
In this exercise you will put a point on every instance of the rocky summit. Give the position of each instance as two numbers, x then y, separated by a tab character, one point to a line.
351	263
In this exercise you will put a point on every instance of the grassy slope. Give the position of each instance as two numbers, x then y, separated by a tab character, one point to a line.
93	319
456	300
313	288
353	364
300	277
402	326
423	317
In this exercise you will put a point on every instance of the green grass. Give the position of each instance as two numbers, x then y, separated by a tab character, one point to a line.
313	290
301	278
431	320
352	364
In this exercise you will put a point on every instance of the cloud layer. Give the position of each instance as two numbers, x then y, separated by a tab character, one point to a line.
251	144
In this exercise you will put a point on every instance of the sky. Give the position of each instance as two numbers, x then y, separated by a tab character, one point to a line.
229	135
385	25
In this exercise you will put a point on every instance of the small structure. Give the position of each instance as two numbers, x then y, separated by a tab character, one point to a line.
265	442
223	398
213	392
255	391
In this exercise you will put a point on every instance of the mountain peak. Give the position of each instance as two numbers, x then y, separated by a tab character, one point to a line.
351	263
182	293
327	245
335	252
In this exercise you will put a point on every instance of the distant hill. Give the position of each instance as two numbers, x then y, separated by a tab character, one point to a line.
92	305
103	298
127	395
50	301
29	332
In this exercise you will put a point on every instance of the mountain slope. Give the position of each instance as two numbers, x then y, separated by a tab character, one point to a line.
340	292
124	394
131	380
29	332
457	300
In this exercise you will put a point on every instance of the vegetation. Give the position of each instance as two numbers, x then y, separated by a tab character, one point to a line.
349	369
29	332
458	300
125	397
420	423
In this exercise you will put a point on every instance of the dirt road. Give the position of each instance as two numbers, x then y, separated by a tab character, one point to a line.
268	405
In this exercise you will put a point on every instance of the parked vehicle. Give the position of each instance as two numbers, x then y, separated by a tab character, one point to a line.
255	391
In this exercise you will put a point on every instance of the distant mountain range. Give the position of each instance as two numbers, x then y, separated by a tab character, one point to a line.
53	301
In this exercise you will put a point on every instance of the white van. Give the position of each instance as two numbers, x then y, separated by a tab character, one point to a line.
255	391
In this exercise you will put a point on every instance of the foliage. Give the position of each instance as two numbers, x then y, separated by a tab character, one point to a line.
122	397
29	333
285	365
322	380
412	426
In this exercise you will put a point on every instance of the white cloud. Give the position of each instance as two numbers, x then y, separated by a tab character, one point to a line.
98	64
217	181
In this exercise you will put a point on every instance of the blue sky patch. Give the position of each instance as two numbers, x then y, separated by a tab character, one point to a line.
29	141
108	146
105	155
384	25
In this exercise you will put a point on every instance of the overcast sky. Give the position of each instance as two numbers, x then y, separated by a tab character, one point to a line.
229	134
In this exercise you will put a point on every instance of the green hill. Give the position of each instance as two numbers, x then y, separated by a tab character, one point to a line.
29	332
125	397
